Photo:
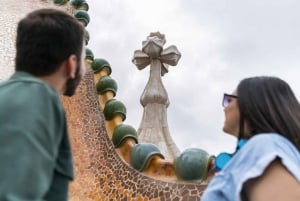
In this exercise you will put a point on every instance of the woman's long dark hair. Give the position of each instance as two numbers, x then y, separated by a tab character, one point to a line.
268	104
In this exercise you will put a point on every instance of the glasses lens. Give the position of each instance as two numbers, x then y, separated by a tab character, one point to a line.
226	100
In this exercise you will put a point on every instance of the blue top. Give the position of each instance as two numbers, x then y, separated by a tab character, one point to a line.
250	162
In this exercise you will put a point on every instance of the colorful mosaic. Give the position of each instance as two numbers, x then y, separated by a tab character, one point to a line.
100	173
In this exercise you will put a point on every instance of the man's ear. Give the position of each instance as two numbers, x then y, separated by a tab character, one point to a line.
71	66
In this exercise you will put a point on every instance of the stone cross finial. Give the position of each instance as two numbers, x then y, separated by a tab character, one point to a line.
153	53
153	49
154	99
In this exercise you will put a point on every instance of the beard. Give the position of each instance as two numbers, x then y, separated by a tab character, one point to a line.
72	83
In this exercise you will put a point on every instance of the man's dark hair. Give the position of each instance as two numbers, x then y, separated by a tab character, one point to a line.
268	104
45	38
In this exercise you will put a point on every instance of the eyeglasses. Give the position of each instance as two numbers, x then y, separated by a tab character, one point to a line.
227	99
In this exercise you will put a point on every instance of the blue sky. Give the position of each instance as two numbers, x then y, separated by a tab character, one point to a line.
221	42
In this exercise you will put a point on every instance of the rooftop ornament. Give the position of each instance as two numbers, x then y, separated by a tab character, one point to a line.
154	98
192	165
153	49
82	16
142	154
89	55
80	5
153	53
123	132
99	64
106	83
60	2
114	107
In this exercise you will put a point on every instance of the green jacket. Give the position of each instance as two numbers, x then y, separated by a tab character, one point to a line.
35	156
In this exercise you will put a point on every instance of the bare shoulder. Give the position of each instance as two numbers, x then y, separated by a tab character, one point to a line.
276	183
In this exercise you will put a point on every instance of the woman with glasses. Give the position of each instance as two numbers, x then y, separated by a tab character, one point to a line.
264	114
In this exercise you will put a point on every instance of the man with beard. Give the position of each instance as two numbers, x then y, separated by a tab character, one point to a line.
35	155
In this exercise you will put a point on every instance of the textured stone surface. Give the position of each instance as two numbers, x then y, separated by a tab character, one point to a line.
11	12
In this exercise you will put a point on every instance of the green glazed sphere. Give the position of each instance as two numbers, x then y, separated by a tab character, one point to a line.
77	2
142	154
89	54
60	2
106	83
83	16
99	64
113	107
192	165
122	132
80	4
